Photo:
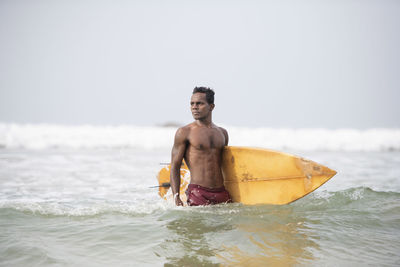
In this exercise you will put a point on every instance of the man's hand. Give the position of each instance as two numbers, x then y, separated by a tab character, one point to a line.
178	200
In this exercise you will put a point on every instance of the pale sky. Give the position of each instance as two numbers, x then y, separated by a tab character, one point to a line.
297	64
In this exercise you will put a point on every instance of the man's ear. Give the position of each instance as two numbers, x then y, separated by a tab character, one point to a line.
212	106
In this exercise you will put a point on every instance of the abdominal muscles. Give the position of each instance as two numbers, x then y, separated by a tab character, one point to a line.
205	167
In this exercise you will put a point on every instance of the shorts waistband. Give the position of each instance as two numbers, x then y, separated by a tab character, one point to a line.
219	189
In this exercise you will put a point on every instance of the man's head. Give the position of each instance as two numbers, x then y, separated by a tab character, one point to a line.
208	91
202	103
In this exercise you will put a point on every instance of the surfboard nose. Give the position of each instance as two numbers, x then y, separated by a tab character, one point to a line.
311	168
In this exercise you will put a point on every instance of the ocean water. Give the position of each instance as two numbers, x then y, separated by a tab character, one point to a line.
81	196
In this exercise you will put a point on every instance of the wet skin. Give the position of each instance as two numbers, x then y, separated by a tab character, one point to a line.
200	143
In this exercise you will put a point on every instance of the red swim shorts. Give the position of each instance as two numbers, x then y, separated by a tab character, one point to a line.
198	195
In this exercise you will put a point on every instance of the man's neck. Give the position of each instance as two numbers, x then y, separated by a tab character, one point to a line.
207	122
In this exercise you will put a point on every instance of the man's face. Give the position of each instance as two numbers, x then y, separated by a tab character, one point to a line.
199	106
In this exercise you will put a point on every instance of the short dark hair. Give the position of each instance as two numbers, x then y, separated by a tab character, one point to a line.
206	90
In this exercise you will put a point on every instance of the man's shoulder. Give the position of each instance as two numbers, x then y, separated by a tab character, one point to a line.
223	130
225	133
184	130
189	126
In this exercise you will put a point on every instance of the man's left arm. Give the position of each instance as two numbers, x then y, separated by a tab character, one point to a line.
225	132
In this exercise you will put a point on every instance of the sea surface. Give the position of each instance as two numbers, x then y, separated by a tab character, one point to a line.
82	196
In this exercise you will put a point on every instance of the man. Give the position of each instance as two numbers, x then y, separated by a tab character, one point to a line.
200	143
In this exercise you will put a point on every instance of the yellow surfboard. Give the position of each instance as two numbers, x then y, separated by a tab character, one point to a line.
260	176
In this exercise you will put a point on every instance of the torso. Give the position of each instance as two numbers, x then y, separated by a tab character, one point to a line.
204	155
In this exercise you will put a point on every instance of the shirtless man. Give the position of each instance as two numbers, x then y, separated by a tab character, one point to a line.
200	143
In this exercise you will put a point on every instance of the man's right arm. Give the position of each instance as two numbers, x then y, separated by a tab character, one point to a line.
178	152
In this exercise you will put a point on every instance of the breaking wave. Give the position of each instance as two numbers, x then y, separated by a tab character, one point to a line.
44	136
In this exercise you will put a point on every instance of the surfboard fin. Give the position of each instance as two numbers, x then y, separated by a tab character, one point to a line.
165	185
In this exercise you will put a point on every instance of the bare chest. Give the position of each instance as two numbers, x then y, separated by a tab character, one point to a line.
205	139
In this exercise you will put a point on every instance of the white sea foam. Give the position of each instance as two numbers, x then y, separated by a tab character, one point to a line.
86	209
43	136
